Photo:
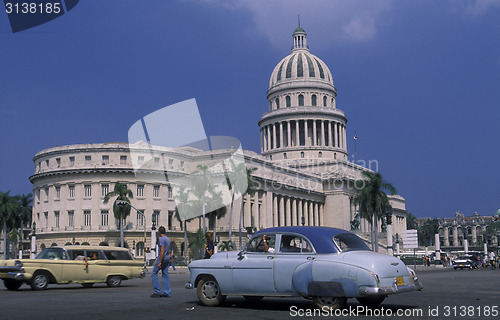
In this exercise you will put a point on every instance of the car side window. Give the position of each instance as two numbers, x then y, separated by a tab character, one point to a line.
295	244
262	243
118	255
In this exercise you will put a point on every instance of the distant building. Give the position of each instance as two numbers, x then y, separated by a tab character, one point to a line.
303	171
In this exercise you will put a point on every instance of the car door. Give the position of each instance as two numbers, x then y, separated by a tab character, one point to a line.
74	269
294	251
98	266
253	270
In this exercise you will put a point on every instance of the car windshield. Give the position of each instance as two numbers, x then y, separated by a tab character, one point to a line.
349	242
52	254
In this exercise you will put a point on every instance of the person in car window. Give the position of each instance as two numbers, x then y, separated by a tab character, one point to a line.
268	244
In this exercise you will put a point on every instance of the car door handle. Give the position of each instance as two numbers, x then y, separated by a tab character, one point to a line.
310	258
270	257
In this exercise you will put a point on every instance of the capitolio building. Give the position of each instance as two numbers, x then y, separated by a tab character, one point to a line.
303	172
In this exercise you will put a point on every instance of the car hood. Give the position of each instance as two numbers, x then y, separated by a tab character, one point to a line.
383	265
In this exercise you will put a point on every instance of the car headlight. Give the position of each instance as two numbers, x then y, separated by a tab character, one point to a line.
18	264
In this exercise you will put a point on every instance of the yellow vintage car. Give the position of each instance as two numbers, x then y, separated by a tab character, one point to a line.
72	264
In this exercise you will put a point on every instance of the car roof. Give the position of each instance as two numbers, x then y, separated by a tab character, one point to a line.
321	237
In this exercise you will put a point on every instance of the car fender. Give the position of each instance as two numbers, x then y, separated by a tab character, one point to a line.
330	278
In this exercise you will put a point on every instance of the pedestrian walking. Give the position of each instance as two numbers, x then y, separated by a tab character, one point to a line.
161	263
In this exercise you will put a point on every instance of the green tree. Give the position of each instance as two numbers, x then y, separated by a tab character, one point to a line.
121	212
25	208
411	221
427	231
9	207
197	241
216	201
203	185
183	204
373	201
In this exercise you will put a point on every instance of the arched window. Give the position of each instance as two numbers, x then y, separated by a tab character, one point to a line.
302	154
324	101
277	103
313	100
301	100
320	154
288	102
285	156
139	249
104	243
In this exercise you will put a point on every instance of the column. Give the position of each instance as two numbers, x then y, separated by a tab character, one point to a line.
281	134
288	134
446	237
255	211
474	234
344	135
322	143
274	136
306	134
455	236
300	212
268	139
315	137
275	211
310	214
294	212
321	214
297	133
330	134
288	212
268	216
248	211
281	221
315	214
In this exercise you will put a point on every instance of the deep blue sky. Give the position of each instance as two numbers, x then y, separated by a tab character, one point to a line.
418	80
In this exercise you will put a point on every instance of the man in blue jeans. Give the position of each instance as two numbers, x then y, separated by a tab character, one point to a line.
161	263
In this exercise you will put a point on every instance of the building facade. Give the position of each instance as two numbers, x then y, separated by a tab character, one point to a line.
303	173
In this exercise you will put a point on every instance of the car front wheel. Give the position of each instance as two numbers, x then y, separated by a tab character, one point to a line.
40	281
114	281
330	302
371	302
209	292
12	284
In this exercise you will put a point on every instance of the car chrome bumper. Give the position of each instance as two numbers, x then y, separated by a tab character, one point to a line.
13	275
376	291
189	285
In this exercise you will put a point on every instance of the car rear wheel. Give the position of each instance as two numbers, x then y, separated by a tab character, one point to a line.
87	285
371	302
12	284
330	302
209	292
114	281
40	281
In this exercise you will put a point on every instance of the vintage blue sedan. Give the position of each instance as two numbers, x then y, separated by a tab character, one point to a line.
327	265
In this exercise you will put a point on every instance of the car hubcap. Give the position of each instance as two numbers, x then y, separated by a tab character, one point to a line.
40	281
210	290
115	281
327	301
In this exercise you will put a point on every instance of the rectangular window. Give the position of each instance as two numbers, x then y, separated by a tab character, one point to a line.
46	218
71	191
170	217
58	192
157	161
105	159
156	191
123	159
47	164
171	163
140	190
56	218
156	217
88	159
140	219
104	217
182	165
170	196
86	218
58	162
46	194
87	190
104	189
71	161
140	160
71	215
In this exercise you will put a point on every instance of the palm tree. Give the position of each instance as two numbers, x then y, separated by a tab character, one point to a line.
215	201
8	210
183	204
197	241
202	185
121	212
250	185
25	212
411	221
373	201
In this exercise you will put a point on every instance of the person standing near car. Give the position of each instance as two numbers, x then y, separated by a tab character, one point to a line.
209	246
161	263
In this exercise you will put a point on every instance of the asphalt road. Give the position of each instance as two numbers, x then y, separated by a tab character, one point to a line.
461	294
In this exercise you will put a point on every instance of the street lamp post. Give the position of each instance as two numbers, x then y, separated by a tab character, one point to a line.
123	202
